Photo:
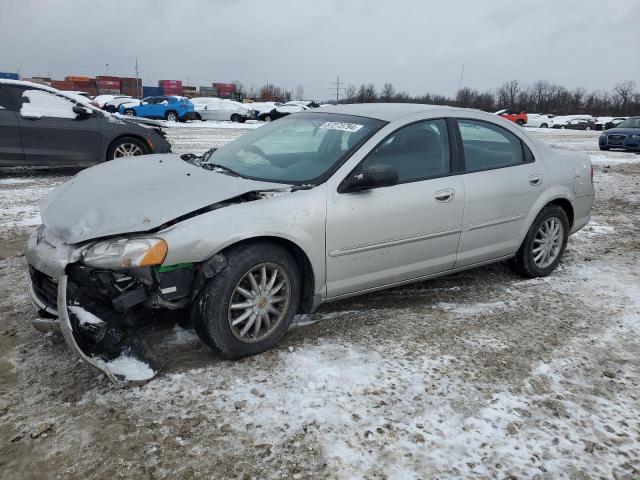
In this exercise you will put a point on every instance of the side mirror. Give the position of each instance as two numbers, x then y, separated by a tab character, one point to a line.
80	110
374	176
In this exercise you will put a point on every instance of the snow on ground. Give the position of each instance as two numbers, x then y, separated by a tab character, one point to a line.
481	374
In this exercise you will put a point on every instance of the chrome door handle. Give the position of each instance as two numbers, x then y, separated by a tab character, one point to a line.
444	196
535	180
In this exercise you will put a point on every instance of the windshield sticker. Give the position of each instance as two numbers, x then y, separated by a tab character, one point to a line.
346	127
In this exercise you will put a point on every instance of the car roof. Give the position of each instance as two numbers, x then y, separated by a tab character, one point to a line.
46	88
388	112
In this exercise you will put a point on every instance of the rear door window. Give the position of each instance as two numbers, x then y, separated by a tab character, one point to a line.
40	103
488	146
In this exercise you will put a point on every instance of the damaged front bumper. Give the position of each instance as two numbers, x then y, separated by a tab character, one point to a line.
100	311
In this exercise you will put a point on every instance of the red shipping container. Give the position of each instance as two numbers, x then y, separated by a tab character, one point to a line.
76	78
108	83
225	87
107	77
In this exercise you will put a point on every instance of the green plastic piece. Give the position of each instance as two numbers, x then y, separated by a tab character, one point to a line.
175	266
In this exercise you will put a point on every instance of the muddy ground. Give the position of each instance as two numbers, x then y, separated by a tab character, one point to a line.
481	374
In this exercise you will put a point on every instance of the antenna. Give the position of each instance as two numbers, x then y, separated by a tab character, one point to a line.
107	66
461	76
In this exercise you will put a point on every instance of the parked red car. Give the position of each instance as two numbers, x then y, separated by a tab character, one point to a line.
517	117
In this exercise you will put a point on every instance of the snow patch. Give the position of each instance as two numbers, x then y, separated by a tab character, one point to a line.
85	317
130	368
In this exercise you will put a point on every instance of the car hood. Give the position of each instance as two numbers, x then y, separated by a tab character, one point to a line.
623	131
136	194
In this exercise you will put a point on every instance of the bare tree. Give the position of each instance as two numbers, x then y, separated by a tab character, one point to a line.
508	93
624	93
299	92
388	92
350	93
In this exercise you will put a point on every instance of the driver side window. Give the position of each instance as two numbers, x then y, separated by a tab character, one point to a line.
417	151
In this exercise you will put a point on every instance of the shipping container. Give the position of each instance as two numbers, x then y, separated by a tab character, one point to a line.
169	82
76	78
130	91
107	77
35	80
42	79
225	87
62	85
108	84
9	76
108	91
152	91
130	82
207	91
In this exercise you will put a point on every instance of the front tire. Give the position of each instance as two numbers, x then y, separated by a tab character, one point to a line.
235	118
171	117
544	244
520	122
126	147
604	148
130	113
544	125
267	118
248	307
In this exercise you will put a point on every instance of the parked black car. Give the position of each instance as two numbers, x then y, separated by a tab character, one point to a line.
578	124
625	136
614	123
43	126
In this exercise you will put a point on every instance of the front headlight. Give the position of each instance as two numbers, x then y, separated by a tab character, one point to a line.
126	253
634	137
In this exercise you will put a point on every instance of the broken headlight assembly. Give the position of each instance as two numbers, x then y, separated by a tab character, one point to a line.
126	253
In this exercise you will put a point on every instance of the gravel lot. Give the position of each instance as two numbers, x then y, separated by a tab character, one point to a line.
477	375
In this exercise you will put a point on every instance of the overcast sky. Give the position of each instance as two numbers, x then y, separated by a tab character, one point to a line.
419	46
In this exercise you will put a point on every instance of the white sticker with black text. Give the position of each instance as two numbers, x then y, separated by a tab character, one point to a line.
346	127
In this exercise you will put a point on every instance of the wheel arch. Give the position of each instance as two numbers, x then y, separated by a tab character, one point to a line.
307	273
557	195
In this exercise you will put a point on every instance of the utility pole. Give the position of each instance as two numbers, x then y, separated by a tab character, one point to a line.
338	87
461	76
138	81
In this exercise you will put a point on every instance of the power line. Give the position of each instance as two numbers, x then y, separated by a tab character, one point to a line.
338	88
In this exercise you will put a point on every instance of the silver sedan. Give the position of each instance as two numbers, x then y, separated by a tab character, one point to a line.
311	208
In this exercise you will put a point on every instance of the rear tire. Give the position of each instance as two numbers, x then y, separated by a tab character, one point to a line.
544	125
588	128
520	122
604	148
562	127
526	261
267	118
126	147
235	118
220	326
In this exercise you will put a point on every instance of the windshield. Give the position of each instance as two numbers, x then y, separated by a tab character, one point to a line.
297	149
630	123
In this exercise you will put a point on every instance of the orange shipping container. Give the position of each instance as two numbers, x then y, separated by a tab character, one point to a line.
76	78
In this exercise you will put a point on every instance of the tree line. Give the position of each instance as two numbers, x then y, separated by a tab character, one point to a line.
540	97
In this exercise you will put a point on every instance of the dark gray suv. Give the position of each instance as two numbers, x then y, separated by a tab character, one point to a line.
43	126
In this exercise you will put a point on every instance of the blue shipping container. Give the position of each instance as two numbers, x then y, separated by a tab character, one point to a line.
9	76
152	91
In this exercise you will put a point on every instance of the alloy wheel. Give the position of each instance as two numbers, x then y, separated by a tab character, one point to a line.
548	242
127	150
259	302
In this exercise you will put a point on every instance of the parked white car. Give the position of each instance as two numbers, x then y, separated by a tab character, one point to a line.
221	109
538	120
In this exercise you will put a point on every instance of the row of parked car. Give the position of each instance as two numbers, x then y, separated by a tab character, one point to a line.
181	109
569	122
